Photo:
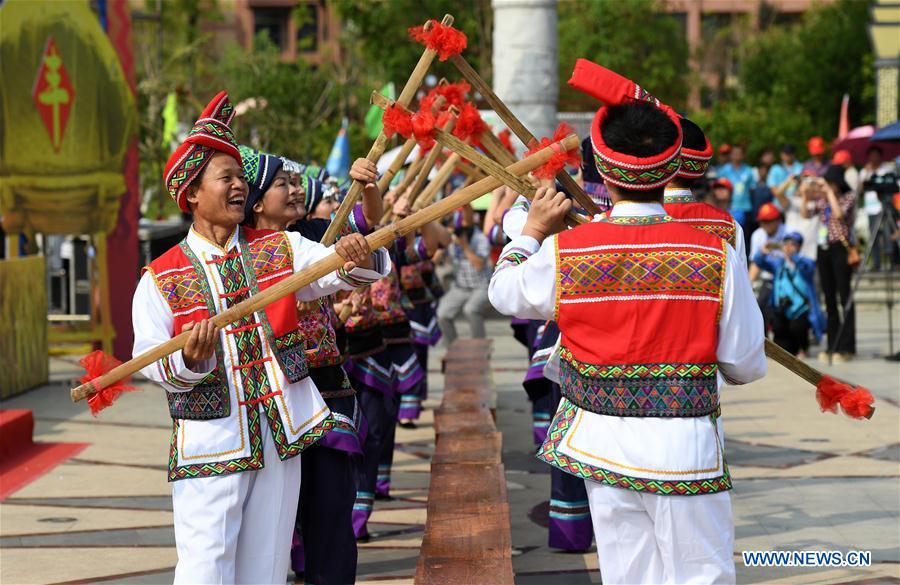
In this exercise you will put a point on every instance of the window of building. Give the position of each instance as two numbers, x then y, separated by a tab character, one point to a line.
306	17
273	22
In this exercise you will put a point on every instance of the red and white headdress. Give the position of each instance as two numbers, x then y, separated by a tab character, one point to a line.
211	133
624	170
694	163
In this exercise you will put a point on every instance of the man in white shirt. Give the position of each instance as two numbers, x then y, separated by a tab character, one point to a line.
654	315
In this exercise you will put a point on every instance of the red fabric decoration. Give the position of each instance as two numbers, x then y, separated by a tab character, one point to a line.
559	159
453	93
96	364
396	121
607	86
423	123
505	137
420	125
855	401
445	40
469	124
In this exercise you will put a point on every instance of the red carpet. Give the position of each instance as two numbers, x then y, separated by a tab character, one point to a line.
21	459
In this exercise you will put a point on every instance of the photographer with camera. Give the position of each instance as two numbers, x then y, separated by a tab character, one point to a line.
469	253
879	183
793	305
835	204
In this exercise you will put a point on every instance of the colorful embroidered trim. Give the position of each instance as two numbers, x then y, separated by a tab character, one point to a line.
633	275
641	390
512	257
549	453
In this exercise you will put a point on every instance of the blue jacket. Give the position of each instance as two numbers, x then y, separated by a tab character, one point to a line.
805	270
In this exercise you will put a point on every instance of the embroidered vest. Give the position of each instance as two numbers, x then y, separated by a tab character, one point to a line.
411	280
687	210
265	258
652	353
317	330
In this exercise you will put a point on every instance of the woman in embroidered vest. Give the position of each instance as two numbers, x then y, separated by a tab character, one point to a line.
324	550
651	313
241	403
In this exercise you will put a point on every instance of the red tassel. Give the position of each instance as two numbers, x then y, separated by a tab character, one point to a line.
469	125
505	137
560	159
396	121
454	95
423	123
96	364
445	40
855	401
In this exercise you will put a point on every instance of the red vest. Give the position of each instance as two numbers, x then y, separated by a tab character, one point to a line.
685	209
638	301
266	257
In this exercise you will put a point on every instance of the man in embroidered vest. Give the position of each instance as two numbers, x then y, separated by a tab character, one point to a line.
650	312
242	405
680	203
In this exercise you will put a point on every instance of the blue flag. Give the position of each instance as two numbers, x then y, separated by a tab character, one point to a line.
338	164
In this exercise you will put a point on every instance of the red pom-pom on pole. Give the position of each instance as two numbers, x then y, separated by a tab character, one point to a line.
96	364
469	125
423	123
560	159
420	125
396	121
454	95
445	40
855	401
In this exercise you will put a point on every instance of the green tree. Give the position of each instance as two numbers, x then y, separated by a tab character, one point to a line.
633	37
385	48
792	79
298	108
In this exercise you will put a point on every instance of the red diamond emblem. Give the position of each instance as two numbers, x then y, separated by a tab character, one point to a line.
53	93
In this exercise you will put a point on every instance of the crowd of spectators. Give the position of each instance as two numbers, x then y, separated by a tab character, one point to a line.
807	224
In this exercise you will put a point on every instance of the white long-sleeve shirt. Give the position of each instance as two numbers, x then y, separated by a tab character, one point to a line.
299	405
657	449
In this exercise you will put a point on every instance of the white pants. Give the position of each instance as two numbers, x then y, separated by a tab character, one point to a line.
648	539
237	528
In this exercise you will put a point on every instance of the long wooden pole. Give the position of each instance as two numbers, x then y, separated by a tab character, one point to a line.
406	95
519	129
321	268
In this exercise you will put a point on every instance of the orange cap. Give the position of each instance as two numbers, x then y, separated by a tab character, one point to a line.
816	145
768	212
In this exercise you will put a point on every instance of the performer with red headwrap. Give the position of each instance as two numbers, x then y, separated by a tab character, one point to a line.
651	313
241	403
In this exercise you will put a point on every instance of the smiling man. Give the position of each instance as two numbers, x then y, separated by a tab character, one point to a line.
242	405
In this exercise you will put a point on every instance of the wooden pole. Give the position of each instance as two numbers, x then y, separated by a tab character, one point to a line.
319	269
519	129
405	97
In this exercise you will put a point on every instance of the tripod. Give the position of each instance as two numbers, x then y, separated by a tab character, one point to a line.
886	226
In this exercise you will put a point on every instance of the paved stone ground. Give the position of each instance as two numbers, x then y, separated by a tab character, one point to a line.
804	480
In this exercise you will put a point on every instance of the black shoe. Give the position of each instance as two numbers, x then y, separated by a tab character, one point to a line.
407	424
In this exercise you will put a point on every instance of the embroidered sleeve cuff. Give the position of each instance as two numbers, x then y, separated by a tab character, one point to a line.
381	267
517	252
174	372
